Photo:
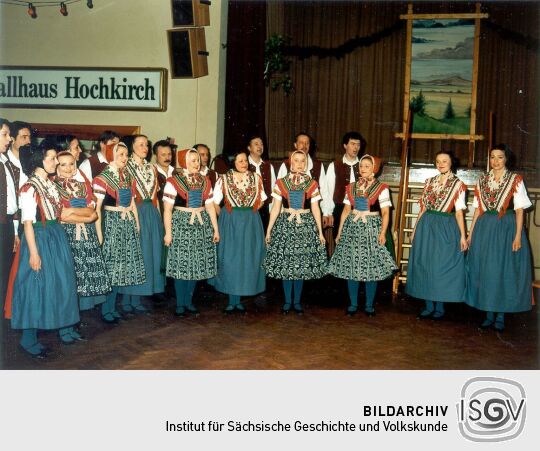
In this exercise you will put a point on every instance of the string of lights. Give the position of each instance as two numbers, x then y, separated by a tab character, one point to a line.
32	6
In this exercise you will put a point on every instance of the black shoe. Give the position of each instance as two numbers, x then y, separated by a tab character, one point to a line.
141	310
122	316
286	309
369	313
109	319
437	316
80	338
486	325
240	309
192	311
498	326
41	355
180	312
229	310
351	311
160	298
425	314
298	309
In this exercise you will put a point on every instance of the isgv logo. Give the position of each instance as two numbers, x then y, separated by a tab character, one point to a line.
491	409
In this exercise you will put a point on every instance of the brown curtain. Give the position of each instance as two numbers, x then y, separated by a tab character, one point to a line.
363	91
245	91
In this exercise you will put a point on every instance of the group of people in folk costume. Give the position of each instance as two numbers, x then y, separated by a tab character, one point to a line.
120	225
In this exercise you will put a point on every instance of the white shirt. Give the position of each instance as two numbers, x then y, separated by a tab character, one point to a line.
258	171
170	170
87	169
11	192
384	199
22	177
218	191
327	205
521	200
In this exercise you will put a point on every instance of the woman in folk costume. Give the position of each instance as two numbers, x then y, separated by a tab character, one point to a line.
151	235
241	247
92	279
44	289
296	246
499	271
436	269
191	229
118	228
361	255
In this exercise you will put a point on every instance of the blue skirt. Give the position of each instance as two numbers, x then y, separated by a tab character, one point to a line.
498	280
151	238
45	299
436	268
240	253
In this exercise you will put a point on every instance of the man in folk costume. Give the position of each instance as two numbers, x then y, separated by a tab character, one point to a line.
315	168
340	173
21	132
146	184
93	166
265	169
163	152
9	185
206	157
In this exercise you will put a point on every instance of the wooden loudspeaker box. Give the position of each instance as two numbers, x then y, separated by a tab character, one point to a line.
190	13
187	51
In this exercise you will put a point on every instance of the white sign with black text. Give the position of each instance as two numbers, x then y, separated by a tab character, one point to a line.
83	88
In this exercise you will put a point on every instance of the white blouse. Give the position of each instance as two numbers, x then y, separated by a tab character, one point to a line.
521	200
28	204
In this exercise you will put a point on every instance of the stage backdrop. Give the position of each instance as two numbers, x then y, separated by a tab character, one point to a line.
363	90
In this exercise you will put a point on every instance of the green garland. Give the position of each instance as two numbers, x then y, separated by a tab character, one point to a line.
276	66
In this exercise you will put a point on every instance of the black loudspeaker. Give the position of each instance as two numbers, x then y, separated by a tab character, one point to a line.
190	13
187	51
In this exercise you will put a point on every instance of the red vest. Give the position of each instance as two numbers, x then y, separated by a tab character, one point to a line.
343	178
266	174
96	166
212	175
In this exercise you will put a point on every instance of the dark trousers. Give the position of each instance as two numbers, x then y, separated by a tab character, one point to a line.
265	217
7	239
338	209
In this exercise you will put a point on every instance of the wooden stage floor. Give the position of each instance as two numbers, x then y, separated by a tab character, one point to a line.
322	339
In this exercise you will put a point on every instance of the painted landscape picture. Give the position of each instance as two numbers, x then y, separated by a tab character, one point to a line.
441	76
